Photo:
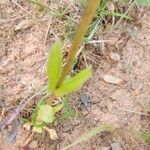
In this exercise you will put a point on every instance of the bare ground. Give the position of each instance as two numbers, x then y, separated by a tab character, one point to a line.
24	53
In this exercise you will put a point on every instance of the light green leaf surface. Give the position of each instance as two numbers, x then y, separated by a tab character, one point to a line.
45	114
73	84
54	66
37	129
35	113
68	110
57	108
118	15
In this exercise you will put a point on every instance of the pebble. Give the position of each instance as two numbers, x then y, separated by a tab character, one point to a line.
85	100
112	79
114	56
116	146
104	148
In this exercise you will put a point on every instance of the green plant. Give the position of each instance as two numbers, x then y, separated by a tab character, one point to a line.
44	7
59	84
106	13
44	112
41	6
68	111
55	72
42	116
145	137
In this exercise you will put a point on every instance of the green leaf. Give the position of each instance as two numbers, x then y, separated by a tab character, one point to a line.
24	120
57	108
73	84
118	15
45	114
68	111
143	2
54	66
37	129
35	112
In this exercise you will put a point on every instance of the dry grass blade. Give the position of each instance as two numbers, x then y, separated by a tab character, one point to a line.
18	5
90	134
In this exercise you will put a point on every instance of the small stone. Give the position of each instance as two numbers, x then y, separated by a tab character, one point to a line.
114	56
33	145
85	100
104	148
112	79
116	146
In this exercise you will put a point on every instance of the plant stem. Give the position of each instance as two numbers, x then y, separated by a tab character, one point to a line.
89	13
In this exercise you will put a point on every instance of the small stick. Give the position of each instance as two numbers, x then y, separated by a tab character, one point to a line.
98	41
83	26
135	112
49	24
28	140
19	5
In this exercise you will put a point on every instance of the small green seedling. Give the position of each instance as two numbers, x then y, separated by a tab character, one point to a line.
42	116
55	70
44	113
58	83
68	111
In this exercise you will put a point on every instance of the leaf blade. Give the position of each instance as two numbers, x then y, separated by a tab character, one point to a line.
57	108
73	84
54	66
37	129
45	114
